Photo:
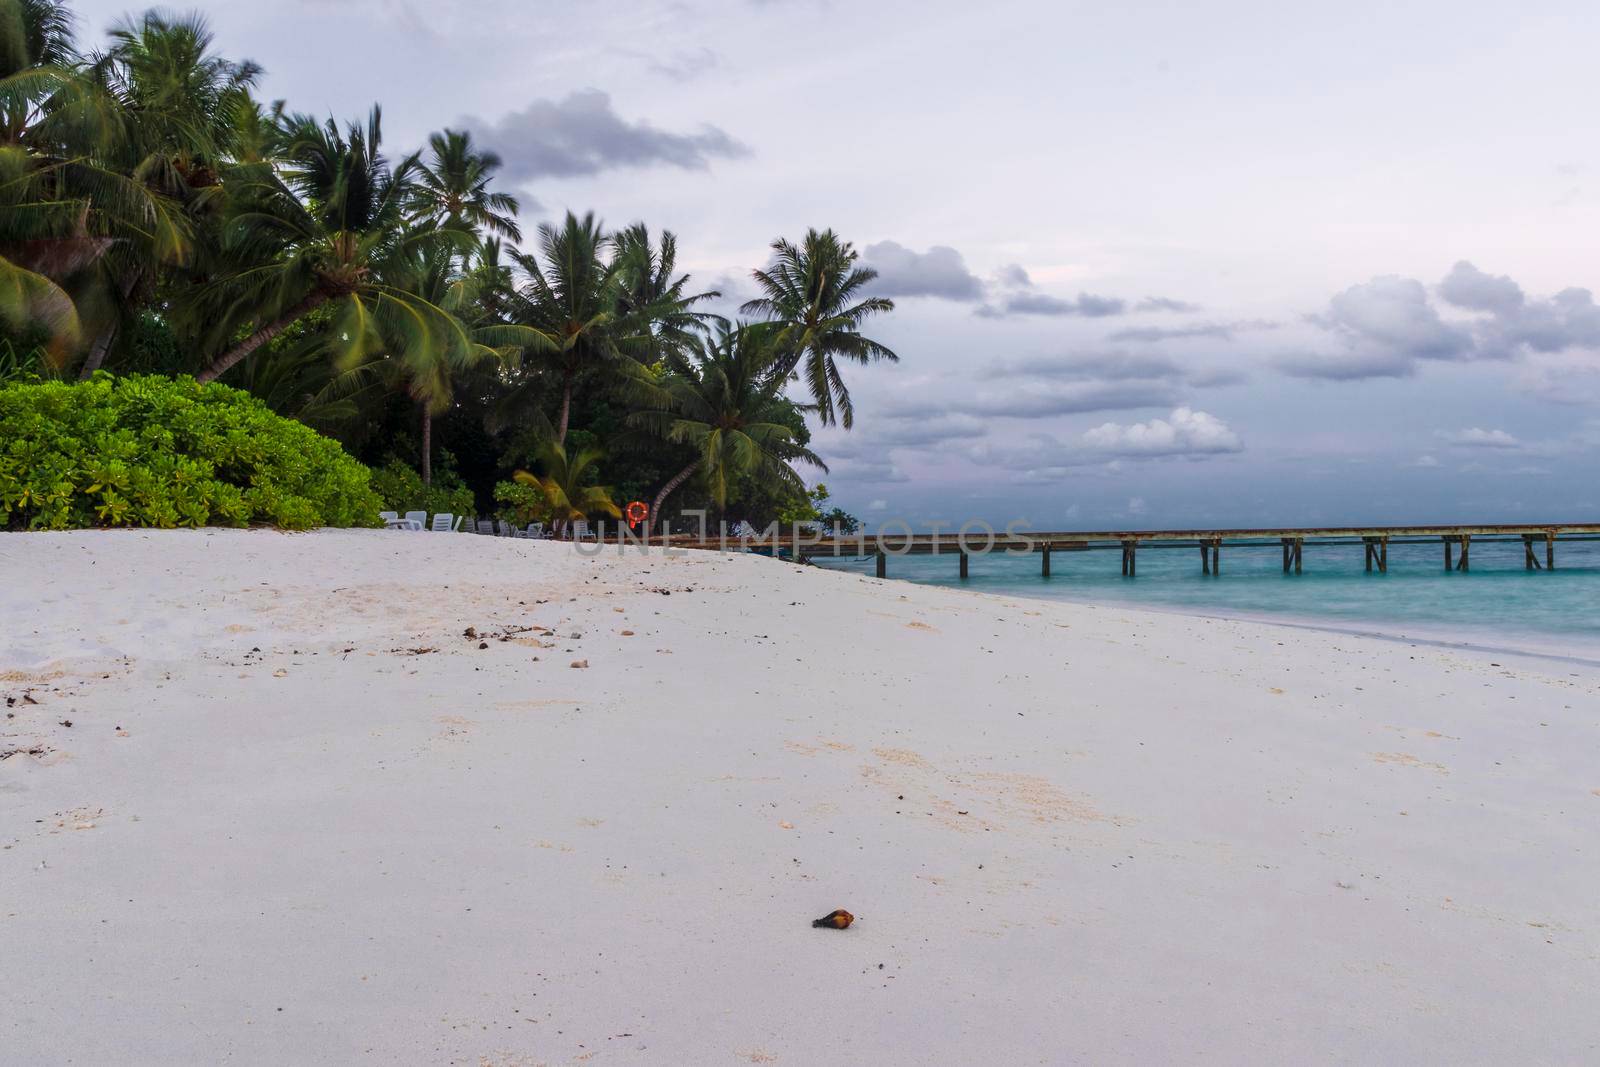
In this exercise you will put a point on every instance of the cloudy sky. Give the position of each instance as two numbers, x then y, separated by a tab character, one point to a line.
1196	262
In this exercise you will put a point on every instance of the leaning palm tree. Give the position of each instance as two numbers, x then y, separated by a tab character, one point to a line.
563	484
813	299
724	397
326	230
452	188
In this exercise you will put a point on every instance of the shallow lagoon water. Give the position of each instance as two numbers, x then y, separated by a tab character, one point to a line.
1496	604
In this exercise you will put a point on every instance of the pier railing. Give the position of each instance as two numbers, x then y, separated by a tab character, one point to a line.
1538	541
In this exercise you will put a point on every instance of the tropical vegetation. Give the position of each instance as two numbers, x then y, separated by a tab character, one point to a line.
162	228
145	450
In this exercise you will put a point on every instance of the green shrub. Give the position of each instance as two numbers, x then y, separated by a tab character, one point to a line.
145	450
521	504
400	488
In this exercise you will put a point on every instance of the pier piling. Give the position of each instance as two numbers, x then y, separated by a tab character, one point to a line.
1455	540
1377	554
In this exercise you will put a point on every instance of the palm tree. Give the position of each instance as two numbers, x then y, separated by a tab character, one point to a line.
571	299
452	189
648	291
563	484
181	106
812	296
428	371
429	272
724	397
603	305
63	203
324	231
180	100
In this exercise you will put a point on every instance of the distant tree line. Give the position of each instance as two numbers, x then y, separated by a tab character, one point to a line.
156	217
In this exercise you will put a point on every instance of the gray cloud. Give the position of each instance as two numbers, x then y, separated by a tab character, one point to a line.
1046	399
1030	303
1570	319
1393	312
1387	327
1218	331
1012	274
938	272
1383	328
1183	433
1018	296
582	134
1116	366
1111	366
1165	303
1468	287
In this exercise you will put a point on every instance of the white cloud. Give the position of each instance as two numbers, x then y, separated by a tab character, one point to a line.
1476	437
1184	432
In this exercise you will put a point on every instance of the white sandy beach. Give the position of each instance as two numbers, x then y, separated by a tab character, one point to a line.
298	817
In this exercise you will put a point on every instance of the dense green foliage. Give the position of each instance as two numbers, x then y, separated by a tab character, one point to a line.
157	218
521	504
400	488
149	451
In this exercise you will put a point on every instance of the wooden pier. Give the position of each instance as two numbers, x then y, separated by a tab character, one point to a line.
1538	540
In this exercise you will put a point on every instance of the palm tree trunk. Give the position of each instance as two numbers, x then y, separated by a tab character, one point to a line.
566	409
314	299
97	353
666	491
131	281
427	446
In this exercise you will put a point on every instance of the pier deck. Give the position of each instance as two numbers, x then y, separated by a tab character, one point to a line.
1538	540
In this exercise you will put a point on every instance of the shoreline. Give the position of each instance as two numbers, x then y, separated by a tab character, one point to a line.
1567	650
300	815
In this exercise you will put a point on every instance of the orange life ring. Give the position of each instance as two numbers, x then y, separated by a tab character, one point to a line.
637	512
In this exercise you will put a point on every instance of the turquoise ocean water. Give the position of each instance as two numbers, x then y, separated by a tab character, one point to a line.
1497	604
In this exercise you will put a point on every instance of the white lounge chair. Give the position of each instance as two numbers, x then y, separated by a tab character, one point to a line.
486	526
415	520
534	530
580	529
391	520
442	522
